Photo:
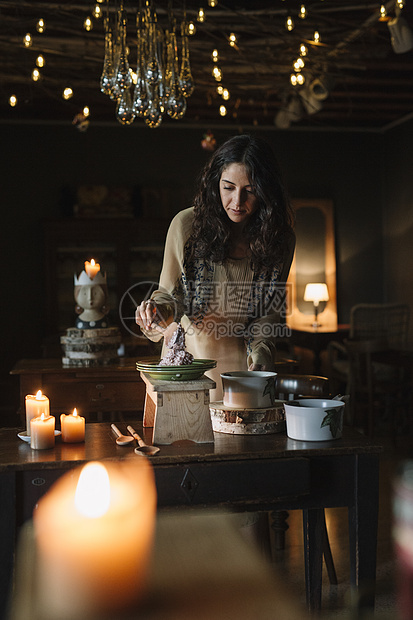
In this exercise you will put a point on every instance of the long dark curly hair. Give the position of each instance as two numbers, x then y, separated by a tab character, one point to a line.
268	229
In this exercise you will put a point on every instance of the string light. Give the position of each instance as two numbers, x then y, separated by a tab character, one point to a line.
97	11
67	93
220	89
217	73
40	61
225	94
191	29
86	111
316	37
303	50
27	41
40	26
298	64
303	12
297	79
222	110
87	24
212	3
383	12
214	55
289	23
35	75
12	100
400	4
232	39
201	15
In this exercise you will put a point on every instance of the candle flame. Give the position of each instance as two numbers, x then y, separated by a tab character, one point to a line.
75	411
39	394
92	262
92	497
43	416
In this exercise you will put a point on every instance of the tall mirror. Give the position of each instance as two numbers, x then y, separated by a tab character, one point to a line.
314	262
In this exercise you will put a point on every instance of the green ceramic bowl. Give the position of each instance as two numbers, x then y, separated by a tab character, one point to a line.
186	372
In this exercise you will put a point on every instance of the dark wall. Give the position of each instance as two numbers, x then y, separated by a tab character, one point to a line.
38	161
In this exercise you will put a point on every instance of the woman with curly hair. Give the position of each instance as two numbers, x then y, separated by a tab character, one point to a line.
226	262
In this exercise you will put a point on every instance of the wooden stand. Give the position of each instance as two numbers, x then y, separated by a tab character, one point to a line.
178	410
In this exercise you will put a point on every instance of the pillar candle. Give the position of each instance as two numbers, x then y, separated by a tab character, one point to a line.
35	405
92	268
42	432
73	427
94	533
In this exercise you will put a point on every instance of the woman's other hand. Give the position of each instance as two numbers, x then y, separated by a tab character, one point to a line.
268	367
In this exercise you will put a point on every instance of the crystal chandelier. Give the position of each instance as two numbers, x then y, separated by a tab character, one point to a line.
162	83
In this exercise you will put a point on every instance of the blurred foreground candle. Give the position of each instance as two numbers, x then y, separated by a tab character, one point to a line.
92	268
35	406
403	538
94	533
42	432
73	427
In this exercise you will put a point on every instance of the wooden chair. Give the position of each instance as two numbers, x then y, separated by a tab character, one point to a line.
372	363
289	387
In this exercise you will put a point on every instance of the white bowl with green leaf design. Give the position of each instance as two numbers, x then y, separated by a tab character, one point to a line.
314	419
249	389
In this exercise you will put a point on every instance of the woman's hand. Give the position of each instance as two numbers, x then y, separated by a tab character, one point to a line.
147	315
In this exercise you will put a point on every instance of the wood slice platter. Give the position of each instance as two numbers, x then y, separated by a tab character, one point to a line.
248	421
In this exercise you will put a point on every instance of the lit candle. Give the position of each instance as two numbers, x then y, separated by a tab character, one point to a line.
73	427
35	405
94	532
92	268
42	432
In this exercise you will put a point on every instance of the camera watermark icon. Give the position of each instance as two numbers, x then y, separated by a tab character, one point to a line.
130	300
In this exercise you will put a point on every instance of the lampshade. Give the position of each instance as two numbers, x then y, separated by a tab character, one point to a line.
316	292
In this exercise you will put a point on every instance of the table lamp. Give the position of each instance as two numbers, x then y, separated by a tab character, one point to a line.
316	292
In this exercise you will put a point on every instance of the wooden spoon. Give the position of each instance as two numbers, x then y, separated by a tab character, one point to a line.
121	440
143	447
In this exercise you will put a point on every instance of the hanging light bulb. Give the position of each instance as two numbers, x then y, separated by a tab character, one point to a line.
214	55
88	24
40	26
212	3
40	61
67	93
300	79
201	15
293	79
12	100
289	23
316	37
383	14
303	50
225	94
86	111
97	12
222	110
220	89
35	75
27	40
232	39
400	4
303	12
191	28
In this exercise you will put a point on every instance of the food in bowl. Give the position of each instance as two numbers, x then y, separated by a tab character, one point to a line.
177	354
314	419
249	389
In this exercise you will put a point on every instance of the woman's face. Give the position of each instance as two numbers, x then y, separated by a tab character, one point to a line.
237	195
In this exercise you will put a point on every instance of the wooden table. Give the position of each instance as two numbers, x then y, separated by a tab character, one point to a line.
266	472
101	389
317	339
